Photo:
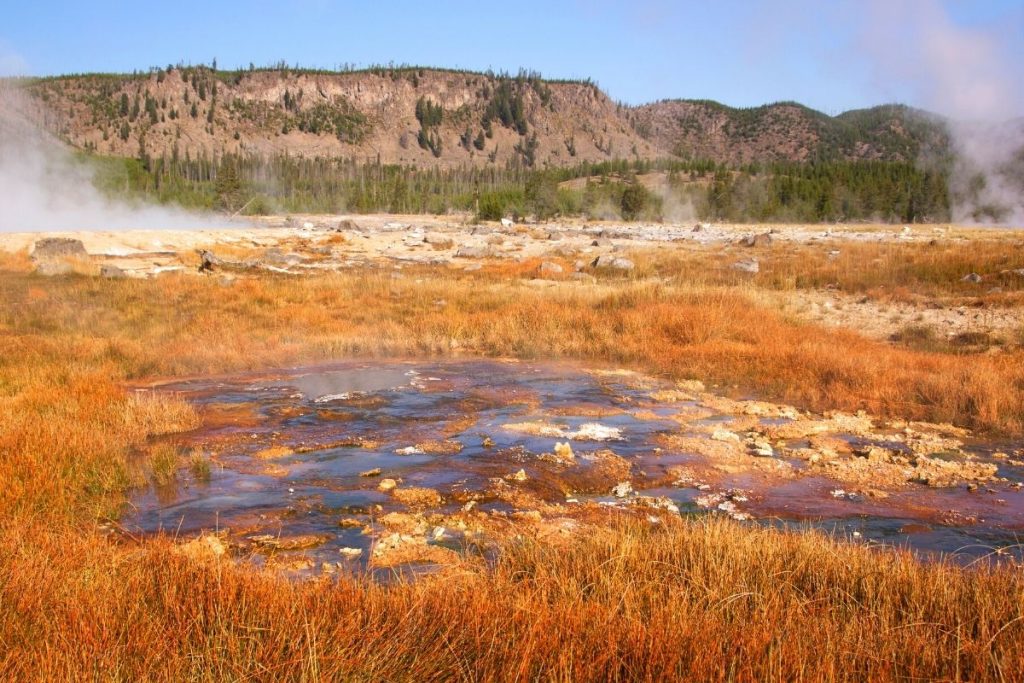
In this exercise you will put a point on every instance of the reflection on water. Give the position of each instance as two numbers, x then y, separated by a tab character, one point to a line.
305	454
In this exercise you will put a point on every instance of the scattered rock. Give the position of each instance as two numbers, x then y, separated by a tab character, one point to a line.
622	489
298	542
971	277
112	272
446	447
208	261
438	240
473	251
747	266
761	448
347	225
51	267
57	248
563	451
206	547
591	431
417	497
725	435
519	476
613	262
762	240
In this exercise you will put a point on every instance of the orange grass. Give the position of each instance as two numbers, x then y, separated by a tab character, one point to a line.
701	600
884	270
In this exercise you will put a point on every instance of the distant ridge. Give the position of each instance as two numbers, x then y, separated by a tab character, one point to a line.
427	117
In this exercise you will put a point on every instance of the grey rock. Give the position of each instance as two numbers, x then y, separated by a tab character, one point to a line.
473	251
748	266
762	240
616	262
57	247
51	267
971	277
439	240
549	268
208	261
112	272
347	225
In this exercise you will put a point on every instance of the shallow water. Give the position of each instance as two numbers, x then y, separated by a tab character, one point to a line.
330	424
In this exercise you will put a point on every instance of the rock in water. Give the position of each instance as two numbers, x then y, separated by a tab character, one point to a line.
622	489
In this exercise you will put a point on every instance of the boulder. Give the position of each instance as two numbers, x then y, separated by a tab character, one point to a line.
112	272
51	267
549	268
971	277
747	266
762	240
473	251
208	261
615	262
438	240
57	247
346	225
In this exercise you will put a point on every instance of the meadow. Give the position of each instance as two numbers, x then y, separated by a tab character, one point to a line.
700	599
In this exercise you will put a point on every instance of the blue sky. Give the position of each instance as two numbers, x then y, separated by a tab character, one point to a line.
830	55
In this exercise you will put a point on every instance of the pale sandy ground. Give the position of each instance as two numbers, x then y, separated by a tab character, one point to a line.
302	244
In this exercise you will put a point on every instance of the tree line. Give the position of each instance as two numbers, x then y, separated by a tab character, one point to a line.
652	190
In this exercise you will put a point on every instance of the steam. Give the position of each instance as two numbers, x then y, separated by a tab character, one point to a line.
43	188
968	74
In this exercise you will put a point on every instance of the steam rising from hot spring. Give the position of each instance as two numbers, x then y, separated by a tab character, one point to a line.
43	188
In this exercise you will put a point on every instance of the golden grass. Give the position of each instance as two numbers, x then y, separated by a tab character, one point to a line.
889	269
703	600
700	600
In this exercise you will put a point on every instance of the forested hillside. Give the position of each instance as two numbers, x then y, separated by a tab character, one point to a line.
431	140
442	118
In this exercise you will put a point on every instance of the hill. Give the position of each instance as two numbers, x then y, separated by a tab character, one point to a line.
445	119
787	131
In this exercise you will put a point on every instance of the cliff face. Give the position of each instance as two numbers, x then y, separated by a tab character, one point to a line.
437	118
